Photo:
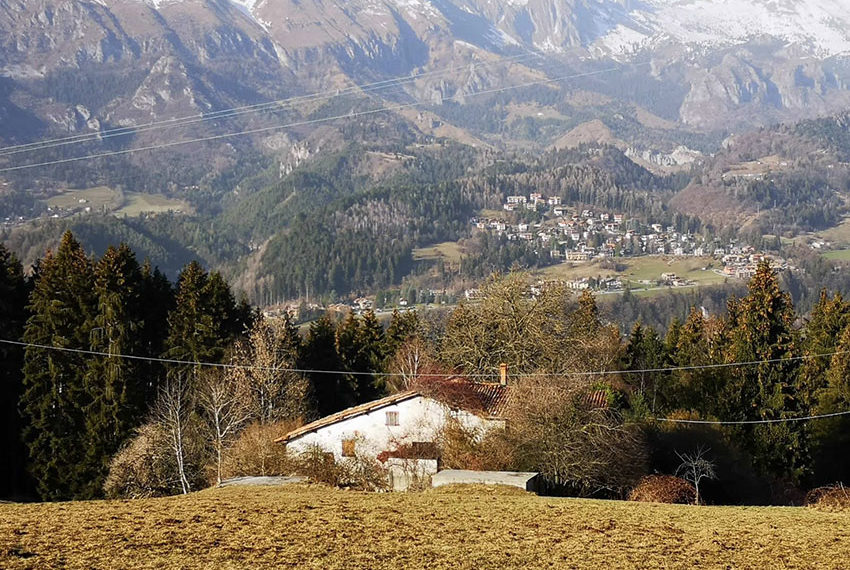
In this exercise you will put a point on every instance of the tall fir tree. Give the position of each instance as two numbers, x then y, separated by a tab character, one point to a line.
14	482
63	309
360	345
830	316
645	351
115	385
205	319
157	299
761	330
831	436
332	391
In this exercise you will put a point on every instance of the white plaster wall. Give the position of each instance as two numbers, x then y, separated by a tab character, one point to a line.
419	418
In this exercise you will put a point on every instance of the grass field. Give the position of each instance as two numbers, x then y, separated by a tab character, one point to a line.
448	251
96	198
838	255
648	268
317	527
136	203
124	204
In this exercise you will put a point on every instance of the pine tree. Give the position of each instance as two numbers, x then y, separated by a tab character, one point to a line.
831	436
761	330
830	316
645	351
13	299
332	391
403	327
204	320
115	385
157	299
63	308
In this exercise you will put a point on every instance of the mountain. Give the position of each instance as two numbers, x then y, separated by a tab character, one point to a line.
271	120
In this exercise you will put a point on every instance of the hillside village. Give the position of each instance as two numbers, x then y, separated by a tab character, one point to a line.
573	236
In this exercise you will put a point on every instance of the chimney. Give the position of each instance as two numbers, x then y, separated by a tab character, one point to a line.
503	374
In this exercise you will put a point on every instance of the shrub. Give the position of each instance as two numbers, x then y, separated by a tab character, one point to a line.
319	466
255	453
830	498
465	448
144	468
663	489
361	473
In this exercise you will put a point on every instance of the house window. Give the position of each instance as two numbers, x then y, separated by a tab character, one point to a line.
392	418
348	447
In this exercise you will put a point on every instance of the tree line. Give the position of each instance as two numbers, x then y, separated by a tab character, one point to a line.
72	416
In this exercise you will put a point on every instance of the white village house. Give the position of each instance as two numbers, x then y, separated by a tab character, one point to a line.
398	420
401	428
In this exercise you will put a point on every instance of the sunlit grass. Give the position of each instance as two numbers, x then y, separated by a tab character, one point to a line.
317	527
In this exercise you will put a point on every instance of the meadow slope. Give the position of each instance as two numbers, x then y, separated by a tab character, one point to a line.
317	527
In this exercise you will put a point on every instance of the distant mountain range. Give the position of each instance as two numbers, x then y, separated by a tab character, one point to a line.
76	65
301	105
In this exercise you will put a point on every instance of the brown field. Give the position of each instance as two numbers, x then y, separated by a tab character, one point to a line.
318	527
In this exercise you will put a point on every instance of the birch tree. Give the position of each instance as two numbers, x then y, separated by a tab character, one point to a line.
225	403
172	411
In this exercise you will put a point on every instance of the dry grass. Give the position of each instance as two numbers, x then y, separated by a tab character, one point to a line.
318	527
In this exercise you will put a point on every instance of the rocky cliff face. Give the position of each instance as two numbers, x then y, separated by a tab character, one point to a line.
77	65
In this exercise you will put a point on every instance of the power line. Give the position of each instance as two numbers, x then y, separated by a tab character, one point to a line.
485	375
279	104
391	374
753	422
309	122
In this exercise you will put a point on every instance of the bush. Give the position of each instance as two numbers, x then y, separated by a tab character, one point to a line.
476	450
361	473
255	453
830	498
663	489
144	468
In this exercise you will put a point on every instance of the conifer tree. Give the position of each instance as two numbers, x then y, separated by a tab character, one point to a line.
13	299
831	436
204	320
403	327
830	316
332	392
645	351
63	308
115	385
157	300
360	345
761	330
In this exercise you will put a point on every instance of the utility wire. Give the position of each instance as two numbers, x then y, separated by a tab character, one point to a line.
271	106
391	374
351	115
492	375
753	422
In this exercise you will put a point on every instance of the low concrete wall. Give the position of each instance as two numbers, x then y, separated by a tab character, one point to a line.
527	481
407	474
262	481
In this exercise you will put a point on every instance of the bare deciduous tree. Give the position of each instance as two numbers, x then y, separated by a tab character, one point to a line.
226	406
572	442
410	360
275	392
694	468
172	412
